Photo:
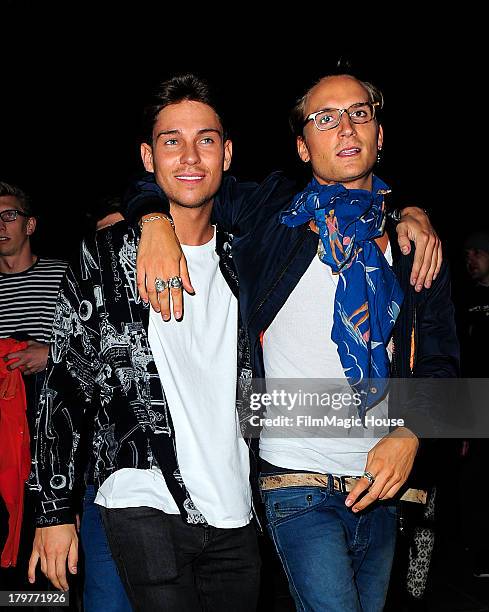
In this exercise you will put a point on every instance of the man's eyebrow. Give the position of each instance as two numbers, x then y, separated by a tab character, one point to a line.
202	131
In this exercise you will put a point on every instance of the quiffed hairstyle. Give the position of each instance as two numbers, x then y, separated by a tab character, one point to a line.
178	89
7	189
297	114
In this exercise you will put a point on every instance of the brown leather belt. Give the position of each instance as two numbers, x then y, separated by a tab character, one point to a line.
344	484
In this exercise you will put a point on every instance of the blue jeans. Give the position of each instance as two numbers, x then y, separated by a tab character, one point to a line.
335	560
103	589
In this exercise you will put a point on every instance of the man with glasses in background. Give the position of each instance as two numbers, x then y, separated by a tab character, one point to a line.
28	289
28	283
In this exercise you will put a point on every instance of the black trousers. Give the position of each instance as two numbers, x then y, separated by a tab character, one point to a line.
168	565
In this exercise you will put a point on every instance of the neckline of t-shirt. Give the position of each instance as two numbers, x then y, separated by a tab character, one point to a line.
201	248
12	274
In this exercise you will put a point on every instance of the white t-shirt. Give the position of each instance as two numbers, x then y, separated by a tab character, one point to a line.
196	361
298	345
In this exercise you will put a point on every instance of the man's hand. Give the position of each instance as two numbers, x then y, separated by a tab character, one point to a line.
416	226
160	256
31	360
390	462
53	545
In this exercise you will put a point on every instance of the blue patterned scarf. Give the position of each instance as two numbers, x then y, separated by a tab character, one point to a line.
368	297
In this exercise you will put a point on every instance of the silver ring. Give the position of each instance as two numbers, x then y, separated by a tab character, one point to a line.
370	477
160	284
175	282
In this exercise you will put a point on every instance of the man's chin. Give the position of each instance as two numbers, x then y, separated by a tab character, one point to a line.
7	252
192	202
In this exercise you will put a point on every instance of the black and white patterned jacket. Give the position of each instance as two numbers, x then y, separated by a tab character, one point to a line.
102	383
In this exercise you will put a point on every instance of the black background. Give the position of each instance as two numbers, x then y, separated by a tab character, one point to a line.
74	80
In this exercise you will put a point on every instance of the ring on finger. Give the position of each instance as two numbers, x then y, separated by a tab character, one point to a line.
369	476
160	285
175	282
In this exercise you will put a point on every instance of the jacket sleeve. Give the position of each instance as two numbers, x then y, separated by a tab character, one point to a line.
64	402
437	357
142	197
438	353
236	205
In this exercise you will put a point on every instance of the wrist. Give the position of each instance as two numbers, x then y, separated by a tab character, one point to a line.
413	211
154	218
404	432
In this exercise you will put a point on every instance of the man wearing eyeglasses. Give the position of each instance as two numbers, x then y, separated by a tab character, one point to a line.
28	288
321	298
28	283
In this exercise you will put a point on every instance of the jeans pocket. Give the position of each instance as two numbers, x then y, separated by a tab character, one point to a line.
281	504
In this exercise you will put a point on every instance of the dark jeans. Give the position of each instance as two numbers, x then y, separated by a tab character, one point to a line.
168	565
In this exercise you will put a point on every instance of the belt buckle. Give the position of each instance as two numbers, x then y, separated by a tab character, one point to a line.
342	483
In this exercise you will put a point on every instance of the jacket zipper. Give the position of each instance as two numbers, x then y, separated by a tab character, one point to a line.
415	335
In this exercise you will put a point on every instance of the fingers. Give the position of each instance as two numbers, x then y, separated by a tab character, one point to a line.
361	486
421	244
430	275
31	570
141	283
19	363
428	252
403	240
439	260
390	489
61	572
372	493
73	558
185	276
164	304
367	499
51	571
177	300
44	564
152	294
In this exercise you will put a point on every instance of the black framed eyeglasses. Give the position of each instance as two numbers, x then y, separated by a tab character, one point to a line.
329	118
7	216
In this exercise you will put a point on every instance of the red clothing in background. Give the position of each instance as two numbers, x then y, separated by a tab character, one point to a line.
15	458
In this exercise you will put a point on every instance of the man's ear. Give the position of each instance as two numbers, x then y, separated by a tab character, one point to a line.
302	149
380	138
228	154
147	156
31	226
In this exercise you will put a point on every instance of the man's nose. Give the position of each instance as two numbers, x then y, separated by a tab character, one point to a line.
190	155
346	127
